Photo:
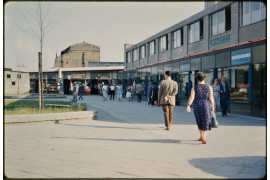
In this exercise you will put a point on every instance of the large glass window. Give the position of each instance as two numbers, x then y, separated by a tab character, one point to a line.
221	21
222	72
209	76
151	48
177	38
163	44
135	54
142	51
239	83
196	31
259	90
184	91
252	11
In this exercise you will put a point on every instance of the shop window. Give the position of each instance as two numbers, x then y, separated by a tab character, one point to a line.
259	90
163	44
8	76
222	72
184	86
239	83
252	11
196	31
208	76
13	83
152	48
142	52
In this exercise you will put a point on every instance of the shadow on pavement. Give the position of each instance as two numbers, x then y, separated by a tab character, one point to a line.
110	127
245	167
165	141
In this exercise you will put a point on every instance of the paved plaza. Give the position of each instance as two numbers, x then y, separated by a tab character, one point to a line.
129	140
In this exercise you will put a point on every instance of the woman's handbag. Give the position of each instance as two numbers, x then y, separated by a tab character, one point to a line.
214	120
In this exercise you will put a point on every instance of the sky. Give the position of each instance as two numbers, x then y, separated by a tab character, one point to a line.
109	25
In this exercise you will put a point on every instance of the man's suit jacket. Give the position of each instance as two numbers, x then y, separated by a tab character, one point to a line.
224	96
167	87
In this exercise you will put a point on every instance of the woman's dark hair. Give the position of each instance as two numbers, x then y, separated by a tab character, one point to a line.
200	76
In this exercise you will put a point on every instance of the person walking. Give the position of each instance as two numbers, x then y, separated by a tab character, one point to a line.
112	87
216	93
155	94
81	91
166	97
105	93
202	95
224	96
139	91
149	93
128	93
120	92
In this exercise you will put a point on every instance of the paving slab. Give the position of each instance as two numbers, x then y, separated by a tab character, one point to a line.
129	140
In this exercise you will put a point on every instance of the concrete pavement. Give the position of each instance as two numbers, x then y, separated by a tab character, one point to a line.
128	140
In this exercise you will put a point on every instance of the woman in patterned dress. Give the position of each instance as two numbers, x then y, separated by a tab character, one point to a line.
202	95
216	93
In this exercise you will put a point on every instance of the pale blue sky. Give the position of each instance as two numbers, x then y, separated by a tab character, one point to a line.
109	25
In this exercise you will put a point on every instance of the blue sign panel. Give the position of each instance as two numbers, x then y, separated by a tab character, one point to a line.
185	66
135	74
241	56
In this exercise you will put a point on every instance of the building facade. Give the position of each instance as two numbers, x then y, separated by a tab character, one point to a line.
15	82
225	39
78	55
61	80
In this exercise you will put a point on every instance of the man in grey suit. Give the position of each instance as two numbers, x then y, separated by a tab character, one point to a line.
166	97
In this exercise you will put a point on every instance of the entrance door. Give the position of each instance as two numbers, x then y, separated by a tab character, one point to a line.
94	86
66	86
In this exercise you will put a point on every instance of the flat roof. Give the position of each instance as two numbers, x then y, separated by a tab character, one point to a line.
106	68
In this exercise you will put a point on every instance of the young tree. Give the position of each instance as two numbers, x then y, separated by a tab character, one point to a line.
40	22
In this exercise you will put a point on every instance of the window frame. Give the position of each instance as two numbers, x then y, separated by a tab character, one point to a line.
150	49
135	54
128	57
174	40
144	52
163	41
262	9
9	76
200	30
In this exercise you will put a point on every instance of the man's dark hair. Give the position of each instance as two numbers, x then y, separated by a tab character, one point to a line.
200	76
168	73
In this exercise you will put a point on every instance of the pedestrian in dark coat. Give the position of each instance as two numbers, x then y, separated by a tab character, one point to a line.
81	91
224	96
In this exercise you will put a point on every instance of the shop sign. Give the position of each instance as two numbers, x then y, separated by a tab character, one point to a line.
241	56
135	74
220	40
185	66
78	76
143	74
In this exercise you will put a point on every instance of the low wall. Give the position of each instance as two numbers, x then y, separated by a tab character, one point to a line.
26	118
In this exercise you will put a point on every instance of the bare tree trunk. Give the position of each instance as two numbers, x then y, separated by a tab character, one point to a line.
40	82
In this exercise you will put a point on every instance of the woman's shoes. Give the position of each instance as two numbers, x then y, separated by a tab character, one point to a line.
203	141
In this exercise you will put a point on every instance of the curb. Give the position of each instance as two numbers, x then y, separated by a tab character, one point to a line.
28	118
34	97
